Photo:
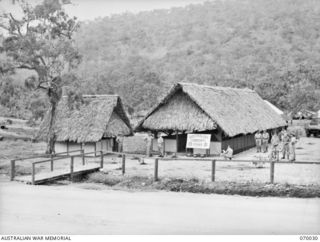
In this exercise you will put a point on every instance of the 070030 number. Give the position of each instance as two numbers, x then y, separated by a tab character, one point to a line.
306	237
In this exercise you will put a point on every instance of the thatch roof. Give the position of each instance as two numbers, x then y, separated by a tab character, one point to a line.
97	116
192	107
276	109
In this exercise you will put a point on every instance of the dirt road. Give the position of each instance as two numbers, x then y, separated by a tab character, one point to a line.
73	210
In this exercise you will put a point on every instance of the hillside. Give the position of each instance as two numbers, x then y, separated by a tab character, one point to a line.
270	46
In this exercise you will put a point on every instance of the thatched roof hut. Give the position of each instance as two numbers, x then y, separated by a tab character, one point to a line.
89	120
194	108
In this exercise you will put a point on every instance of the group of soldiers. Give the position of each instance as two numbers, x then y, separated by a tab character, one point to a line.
262	139
281	143
160	142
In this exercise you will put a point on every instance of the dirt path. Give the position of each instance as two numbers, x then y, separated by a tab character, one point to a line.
73	210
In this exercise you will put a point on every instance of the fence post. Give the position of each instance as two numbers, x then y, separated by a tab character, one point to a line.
123	164
33	173
83	159
213	171
156	161
271	171
71	167
101	159
51	162
13	168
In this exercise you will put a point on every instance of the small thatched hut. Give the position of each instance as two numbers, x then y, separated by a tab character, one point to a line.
230	115
91	123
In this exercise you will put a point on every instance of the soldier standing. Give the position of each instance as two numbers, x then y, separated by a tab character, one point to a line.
258	138
285	144
265	141
293	142
160	145
275	141
149	140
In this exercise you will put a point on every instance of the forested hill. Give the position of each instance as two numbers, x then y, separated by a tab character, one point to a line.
271	46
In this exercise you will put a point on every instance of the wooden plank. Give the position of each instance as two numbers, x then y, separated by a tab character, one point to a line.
156	178
12	170
123	164
51	163
272	172
33	174
83	157
213	170
101	159
67	147
71	167
245	161
177	142
57	174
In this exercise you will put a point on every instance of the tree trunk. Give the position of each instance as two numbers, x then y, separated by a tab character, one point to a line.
51	134
54	94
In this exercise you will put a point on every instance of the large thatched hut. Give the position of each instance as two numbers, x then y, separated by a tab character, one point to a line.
90	123
230	115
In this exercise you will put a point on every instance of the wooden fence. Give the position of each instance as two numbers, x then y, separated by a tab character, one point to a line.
214	162
52	157
61	156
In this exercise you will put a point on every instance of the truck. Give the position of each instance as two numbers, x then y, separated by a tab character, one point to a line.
313	127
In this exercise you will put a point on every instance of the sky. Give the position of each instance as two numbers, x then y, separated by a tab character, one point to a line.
92	9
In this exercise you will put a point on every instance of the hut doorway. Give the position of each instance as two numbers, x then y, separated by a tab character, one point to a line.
182	142
115	145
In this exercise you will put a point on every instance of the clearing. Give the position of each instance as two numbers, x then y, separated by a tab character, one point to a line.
307	150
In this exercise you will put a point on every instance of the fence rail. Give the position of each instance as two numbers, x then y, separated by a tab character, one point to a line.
214	162
45	155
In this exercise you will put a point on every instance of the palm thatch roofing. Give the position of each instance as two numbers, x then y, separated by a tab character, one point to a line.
192	107
91	119
276	109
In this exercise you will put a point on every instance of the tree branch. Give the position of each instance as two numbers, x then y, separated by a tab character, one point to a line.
42	60
24	66
17	23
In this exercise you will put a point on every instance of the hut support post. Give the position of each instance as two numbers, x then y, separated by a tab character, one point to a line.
213	171
123	164
12	170
33	174
95	149
101	159
156	162
271	171
71	167
83	158
68	147
51	162
177	142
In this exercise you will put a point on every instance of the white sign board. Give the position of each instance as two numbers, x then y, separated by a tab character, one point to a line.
198	141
